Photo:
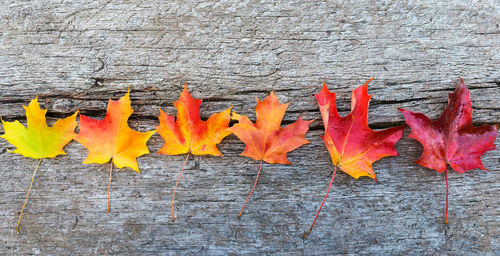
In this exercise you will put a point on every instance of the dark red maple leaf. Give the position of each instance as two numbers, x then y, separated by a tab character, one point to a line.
452	139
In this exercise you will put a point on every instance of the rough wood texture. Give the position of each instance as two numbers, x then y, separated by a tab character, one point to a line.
77	54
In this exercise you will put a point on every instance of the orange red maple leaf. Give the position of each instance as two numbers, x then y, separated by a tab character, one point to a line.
352	145
189	134
112	138
265	139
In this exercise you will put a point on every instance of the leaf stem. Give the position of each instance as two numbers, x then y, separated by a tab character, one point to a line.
324	199
446	213
27	195
109	185
177	182
255	183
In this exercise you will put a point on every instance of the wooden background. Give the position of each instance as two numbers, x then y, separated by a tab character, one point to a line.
74	54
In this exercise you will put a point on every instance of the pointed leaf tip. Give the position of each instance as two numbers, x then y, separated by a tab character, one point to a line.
369	80
235	116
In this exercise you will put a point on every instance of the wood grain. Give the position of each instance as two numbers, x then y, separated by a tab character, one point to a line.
74	54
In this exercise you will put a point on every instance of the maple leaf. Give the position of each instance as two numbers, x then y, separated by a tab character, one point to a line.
266	140
37	140
112	138
452	138
189	134
352	145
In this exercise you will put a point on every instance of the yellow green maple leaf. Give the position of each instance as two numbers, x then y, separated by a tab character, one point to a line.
37	139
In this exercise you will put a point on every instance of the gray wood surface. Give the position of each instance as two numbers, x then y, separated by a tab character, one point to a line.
74	54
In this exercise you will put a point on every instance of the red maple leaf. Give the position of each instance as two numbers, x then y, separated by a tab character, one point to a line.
452	138
352	145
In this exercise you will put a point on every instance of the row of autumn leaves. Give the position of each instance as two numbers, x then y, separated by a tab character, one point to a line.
352	145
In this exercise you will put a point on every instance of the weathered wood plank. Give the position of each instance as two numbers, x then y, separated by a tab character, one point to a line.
77	54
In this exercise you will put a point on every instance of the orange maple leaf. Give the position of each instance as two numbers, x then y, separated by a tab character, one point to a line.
266	140
112	138
189	134
352	145
37	140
